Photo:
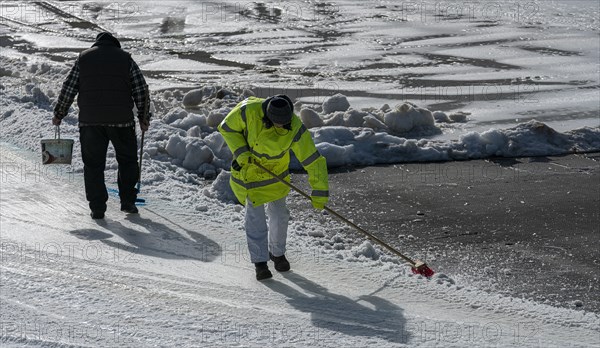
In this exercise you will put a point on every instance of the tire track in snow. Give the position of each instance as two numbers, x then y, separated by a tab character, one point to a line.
149	306
69	18
46	9
115	295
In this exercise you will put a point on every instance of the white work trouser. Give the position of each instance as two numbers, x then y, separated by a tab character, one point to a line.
264	236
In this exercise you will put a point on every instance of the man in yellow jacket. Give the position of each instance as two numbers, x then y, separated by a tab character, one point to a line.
264	131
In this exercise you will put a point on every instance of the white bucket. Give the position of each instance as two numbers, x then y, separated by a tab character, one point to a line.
57	151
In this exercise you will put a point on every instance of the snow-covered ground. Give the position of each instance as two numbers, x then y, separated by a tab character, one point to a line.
475	78
174	277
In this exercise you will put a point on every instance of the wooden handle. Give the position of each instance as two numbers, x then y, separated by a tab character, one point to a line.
334	213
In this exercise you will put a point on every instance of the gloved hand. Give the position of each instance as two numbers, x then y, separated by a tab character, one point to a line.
56	121
144	124
319	202
242	160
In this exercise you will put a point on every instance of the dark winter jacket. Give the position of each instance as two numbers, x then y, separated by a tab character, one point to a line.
105	91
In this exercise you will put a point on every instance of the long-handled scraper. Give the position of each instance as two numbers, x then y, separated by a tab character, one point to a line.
417	267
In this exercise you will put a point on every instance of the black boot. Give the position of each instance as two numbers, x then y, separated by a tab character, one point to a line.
281	263
262	271
97	214
129	208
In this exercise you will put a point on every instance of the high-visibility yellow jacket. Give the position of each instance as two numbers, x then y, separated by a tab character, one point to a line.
247	137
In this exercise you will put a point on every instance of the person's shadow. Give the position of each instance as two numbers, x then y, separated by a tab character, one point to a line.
378	317
154	239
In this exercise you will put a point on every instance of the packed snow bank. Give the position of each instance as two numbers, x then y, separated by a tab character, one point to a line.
183	132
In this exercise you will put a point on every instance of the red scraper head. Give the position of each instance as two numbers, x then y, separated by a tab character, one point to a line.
421	268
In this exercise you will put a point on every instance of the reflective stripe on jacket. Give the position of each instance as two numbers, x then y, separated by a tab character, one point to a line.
247	136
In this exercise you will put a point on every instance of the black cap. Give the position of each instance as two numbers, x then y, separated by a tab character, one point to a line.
279	110
106	36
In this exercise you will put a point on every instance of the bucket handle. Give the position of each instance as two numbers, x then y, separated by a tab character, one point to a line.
57	132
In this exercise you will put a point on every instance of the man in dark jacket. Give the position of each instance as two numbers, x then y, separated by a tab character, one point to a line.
108	83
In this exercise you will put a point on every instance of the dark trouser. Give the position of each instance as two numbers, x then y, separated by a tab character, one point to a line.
94	145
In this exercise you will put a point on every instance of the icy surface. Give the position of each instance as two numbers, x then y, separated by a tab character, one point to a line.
178	275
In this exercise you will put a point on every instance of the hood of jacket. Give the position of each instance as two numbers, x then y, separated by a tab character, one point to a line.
106	38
